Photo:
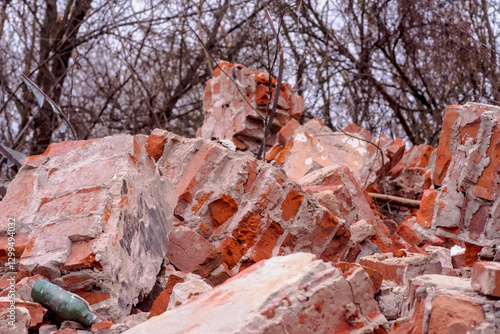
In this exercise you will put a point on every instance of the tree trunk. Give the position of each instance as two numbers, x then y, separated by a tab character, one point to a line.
57	42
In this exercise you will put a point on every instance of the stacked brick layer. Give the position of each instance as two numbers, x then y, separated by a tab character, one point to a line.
467	170
89	216
235	104
247	209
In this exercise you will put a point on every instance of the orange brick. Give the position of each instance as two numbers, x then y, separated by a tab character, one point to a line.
222	209
426	210
291	204
155	146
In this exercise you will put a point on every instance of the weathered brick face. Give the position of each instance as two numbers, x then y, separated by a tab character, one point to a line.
247	209
467	170
234	109
137	224
92	208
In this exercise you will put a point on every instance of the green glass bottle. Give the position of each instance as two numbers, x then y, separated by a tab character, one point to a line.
63	303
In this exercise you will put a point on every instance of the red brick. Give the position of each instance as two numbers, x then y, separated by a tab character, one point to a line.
395	151
478	222
102	326
36	310
421	156
443	154
399	253
288	245
200	201
259	78
334	249
458	260
24	285
216	88
291	204
222	64
91	175
286	132
402	269
447	311
406	231
238	143
207	95
92	297
252	175
426	210
190	252
58	149
487	186
79	203
232	251
296	106
471	254
284	153
264	247
414	324
19	196
357	130
200	163
401	164
81	256
261	95
20	240
325	227
161	302
222	209
68	330
486	278
248	229
374	275
155	145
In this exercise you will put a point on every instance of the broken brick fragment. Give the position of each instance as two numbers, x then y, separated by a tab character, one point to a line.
486	278
190	252
471	254
161	302
222	209
155	145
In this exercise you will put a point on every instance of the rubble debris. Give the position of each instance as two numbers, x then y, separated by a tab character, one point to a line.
467	171
445	304
161	230
89	216
20	319
295	294
185	291
402	269
486	278
247	209
306	148
235	105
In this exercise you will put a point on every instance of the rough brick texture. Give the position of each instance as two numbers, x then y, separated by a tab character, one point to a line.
467	169
96	215
235	103
309	147
486	278
289	294
247	209
444	304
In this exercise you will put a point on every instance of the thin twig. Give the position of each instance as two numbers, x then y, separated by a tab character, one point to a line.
410	203
278	84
